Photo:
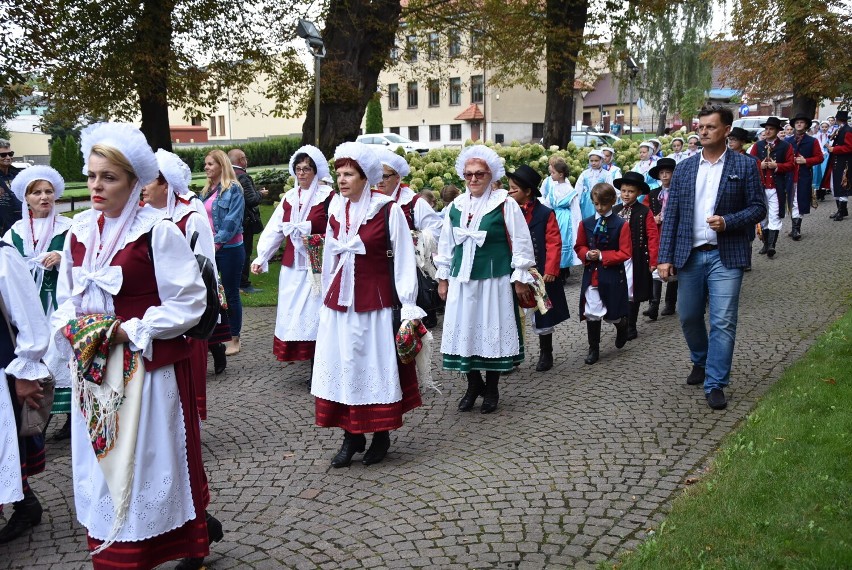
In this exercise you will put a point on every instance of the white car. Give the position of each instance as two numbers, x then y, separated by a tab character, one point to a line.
393	141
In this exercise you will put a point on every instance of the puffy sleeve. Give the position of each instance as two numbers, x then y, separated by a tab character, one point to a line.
183	297
446	244
23	308
404	263
68	305
270	238
427	219
523	258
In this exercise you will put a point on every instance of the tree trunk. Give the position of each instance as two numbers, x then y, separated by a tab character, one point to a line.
565	20
661	122
358	37
803	104
151	64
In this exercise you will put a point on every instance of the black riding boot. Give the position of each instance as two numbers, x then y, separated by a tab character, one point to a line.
842	212
653	309
621	327
771	239
475	388
631	321
352	444
671	298
492	394
26	514
593	329
835	214
764	237
796	234
545	358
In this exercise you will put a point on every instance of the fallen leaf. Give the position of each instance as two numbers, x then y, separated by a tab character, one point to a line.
691	480
831	381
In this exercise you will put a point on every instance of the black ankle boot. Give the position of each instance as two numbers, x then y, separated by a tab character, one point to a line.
220	361
545	358
796	234
26	514
631	321
842	212
378	448
475	388
492	393
352	444
836	212
771	240
593	329
214	534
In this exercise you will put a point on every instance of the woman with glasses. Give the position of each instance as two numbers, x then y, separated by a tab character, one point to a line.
484	256
302	213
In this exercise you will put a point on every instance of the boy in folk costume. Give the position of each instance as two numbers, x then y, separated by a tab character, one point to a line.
776	161
645	242
807	153
587	180
609	162
604	244
836	177
678	154
647	160
657	200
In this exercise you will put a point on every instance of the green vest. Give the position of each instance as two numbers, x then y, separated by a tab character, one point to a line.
494	258
48	285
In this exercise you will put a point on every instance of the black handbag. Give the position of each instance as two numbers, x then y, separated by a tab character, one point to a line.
427	292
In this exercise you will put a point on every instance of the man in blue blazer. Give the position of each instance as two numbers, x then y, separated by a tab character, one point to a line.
715	199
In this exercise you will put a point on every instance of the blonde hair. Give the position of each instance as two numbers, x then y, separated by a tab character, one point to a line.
229	177
559	165
116	157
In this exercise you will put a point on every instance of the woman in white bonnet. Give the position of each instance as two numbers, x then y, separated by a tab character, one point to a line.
139	483
484	256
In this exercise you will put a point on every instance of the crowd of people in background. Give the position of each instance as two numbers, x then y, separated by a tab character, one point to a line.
97	303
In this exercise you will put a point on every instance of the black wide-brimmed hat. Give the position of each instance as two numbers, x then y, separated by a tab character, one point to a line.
527	178
631	177
662	164
772	122
841	116
801	117
740	134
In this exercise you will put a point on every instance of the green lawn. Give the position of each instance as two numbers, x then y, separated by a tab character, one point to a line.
266	281
779	492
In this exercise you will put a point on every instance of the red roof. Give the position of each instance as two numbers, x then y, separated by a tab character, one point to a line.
472	113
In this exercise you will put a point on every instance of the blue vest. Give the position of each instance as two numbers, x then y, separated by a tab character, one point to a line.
612	280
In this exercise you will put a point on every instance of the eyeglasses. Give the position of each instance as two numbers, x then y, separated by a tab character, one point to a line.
386	176
472	175
7	154
303	170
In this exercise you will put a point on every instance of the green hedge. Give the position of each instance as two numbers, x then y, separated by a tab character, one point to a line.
272	151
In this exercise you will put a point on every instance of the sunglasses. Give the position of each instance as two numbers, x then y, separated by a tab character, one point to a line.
472	175
7	154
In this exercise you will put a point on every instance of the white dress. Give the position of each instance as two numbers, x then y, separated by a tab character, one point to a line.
353	364
161	499
21	304
297	318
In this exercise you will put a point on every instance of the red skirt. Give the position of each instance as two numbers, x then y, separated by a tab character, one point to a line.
198	363
190	540
293	350
370	418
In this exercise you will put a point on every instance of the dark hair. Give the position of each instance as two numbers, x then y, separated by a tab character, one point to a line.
161	179
725	114
449	193
560	165
346	161
300	158
605	193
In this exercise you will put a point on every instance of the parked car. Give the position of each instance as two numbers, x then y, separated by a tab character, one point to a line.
589	138
752	124
393	141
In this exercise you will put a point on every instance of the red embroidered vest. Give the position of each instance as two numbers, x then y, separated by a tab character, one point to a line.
372	278
138	292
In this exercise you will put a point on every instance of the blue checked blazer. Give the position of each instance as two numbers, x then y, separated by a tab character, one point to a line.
741	201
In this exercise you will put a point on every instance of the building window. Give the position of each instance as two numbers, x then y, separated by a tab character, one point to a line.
454	43
196	121
475	38
455	132
538	131
434	46
222	126
434	132
455	90
434	93
394	130
393	96
477	94
412	94
394	54
213	126
414	133
411	48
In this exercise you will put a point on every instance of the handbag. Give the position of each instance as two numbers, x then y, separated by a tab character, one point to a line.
34	422
427	292
253	222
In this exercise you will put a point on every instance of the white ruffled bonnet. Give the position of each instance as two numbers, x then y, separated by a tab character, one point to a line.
392	160
364	156
482	152
39	172
317	156
128	140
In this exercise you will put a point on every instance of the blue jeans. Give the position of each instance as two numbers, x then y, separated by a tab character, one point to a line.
229	262
704	281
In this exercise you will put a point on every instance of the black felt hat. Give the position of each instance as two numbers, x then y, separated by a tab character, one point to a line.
772	122
634	178
740	134
662	164
527	178
801	117
842	116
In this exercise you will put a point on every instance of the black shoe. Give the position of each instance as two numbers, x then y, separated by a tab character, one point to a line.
214	529
65	431
492	393
430	321
796	232
220	361
250	289
716	399
593	356
762	250
667	310
545	362
771	239
696	377
653	310
378	448
27	514
352	444
190	564
475	388
621	333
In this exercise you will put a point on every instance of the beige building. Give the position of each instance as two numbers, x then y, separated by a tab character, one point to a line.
28	142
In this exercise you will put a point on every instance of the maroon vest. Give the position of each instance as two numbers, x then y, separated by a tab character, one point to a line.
408	210
318	216
372	270
138	292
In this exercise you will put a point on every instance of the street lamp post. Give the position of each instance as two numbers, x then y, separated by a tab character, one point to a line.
634	69
308	31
